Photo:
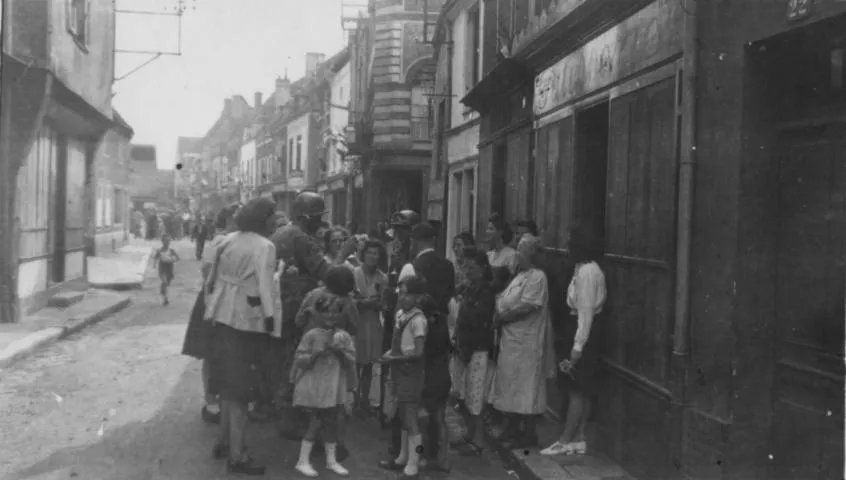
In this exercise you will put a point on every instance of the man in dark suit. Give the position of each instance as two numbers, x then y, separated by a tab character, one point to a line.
440	278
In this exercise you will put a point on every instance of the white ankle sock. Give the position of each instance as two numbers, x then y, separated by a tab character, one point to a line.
414	442
305	453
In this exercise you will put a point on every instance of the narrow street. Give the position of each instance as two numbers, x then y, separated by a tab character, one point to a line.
119	401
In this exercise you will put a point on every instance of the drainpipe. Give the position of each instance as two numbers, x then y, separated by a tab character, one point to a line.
445	174
687	170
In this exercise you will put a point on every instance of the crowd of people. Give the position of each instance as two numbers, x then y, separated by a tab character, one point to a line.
311	326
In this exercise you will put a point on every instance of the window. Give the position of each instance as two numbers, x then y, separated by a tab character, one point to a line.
299	152
291	154
78	20
474	53
462	202
120	211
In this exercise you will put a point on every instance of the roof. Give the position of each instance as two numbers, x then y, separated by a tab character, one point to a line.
121	124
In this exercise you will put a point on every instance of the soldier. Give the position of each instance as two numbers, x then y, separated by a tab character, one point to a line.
303	267
398	250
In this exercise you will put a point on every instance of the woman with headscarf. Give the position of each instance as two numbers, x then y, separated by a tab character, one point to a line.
241	301
586	296
198	339
526	357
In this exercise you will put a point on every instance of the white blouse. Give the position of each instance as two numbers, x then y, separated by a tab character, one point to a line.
586	296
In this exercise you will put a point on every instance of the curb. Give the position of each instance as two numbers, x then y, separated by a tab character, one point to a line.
43	338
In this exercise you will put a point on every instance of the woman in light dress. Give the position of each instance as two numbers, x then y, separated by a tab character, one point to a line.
526	357
370	281
241	301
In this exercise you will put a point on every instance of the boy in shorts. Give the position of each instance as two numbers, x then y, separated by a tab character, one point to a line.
408	373
165	258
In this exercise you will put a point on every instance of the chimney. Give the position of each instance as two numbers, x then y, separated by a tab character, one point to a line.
257	100
282	93
313	60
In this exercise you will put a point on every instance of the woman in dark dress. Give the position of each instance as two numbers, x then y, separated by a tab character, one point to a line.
198	334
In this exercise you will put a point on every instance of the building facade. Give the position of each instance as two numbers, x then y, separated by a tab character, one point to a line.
701	144
392	77
149	186
112	166
455	153
188	165
58	69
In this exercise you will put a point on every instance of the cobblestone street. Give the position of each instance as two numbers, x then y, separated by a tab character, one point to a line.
119	401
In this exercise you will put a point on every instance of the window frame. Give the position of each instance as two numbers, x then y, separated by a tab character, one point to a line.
78	21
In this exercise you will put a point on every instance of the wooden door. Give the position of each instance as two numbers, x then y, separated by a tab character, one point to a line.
59	211
806	437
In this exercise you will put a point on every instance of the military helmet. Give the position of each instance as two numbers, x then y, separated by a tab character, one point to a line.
309	204
405	218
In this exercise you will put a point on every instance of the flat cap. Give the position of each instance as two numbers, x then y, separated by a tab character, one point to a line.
423	231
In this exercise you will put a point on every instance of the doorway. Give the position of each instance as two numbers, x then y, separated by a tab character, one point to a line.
806	437
60	205
499	181
591	167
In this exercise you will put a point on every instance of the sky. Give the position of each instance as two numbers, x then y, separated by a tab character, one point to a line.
229	47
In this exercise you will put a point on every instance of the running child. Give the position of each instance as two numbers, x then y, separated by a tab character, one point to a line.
165	257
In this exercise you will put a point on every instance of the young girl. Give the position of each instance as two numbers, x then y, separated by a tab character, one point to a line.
165	257
407	372
323	366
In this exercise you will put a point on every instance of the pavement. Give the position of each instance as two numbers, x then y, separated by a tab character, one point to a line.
120	270
123	268
118	401
530	465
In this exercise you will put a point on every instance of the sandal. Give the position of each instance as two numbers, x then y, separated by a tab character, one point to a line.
558	448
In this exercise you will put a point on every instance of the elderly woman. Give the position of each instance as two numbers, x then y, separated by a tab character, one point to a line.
526	358
198	339
585	296
240	300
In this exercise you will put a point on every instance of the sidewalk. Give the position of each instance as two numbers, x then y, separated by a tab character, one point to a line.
122	269
530	465
19	340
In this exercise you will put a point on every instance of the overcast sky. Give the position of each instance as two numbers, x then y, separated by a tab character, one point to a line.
229	47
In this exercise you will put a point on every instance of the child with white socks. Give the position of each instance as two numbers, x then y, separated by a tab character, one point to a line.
407	373
324	361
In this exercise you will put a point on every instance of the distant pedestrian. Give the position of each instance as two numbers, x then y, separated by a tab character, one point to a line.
166	256
202	232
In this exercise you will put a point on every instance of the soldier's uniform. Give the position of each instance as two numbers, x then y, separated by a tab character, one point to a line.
304	268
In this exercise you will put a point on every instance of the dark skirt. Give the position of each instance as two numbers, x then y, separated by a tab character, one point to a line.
408	380
583	377
437	385
237	360
198	335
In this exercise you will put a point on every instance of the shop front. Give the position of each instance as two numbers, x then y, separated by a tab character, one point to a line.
622	188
